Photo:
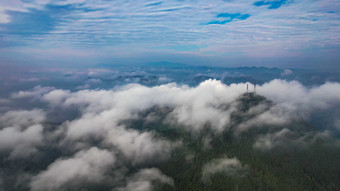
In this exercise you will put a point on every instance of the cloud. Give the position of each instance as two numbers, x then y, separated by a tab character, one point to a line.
297	97
121	26
85	166
37	92
4	101
35	20
144	179
227	166
21	132
264	116
20	143
139	147
5	7
4	18
193	107
112	141
295	102
286	72
273	139
22	118
286	138
136	147
191	104
92	160
56	97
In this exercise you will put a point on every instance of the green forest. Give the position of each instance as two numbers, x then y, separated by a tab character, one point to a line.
312	166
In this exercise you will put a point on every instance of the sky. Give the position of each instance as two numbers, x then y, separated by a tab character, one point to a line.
77	33
96	94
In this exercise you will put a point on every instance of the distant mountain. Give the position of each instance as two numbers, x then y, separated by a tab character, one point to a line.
164	65
193	75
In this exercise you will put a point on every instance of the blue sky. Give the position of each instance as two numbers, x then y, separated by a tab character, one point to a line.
284	33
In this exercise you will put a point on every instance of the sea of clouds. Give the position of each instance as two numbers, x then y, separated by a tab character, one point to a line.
82	139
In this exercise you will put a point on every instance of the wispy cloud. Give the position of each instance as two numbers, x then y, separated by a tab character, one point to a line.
293	29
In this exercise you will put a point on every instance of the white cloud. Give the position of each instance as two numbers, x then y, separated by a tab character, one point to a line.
286	72
274	117
295	96
102	140
56	97
271	140
294	102
85	166
21	132
21	143
227	166
37	92
143	180
140	28
139	147
104	110
22	118
15	5
194	107
286	137
4	18
18	6
4	101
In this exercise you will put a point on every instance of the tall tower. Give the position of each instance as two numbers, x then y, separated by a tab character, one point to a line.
255	86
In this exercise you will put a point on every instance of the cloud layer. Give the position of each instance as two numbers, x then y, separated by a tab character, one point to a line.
85	166
92	32
101	146
228	166
21	132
